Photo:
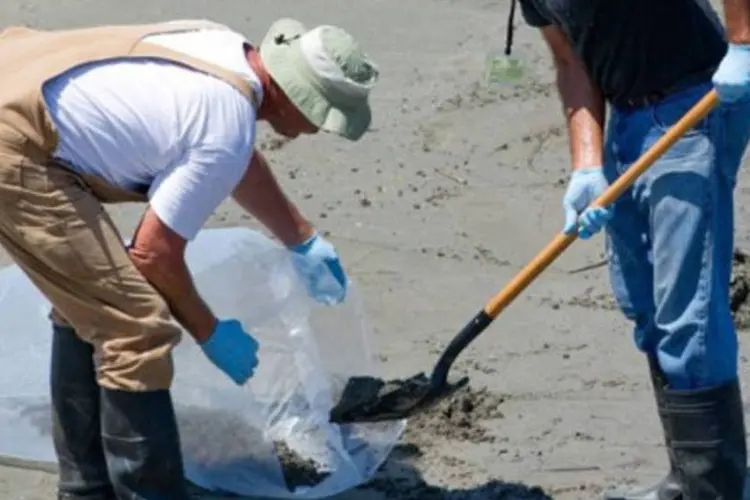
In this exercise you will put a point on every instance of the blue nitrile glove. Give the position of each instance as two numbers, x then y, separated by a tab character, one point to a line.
232	350
318	265
585	186
732	77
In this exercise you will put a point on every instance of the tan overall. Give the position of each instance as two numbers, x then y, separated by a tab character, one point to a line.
52	221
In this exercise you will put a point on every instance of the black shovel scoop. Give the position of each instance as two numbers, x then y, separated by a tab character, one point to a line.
366	399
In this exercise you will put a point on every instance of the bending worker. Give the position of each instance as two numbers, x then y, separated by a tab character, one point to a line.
166	114
670	237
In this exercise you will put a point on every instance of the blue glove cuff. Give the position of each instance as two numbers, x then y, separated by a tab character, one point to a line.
221	330
742	48
305	246
586	171
232	350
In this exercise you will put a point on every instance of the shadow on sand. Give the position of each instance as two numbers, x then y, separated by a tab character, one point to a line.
399	479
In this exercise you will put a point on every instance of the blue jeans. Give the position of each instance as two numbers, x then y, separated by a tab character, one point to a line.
670	241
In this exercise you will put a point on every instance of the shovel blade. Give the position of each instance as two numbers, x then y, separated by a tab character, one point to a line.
368	399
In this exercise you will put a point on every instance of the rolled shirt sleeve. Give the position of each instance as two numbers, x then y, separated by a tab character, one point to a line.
215	160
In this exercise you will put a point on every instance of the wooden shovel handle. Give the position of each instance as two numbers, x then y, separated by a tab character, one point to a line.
562	241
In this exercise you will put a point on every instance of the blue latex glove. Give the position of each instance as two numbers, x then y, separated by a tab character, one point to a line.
584	187
318	265
732	77
232	350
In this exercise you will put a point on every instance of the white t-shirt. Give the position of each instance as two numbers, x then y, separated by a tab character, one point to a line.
185	135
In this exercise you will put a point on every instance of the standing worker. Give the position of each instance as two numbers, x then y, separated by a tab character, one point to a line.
670	237
166	114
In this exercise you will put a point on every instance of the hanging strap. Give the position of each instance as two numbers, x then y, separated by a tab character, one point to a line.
509	30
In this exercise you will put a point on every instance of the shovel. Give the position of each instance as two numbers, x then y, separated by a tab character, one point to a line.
368	399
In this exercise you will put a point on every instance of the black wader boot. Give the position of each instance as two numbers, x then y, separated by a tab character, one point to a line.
142	445
708	441
705	435
668	488
75	420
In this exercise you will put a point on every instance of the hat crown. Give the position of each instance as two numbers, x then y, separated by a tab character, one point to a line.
324	72
343	50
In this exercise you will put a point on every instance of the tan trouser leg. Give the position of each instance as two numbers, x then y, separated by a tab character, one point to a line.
58	232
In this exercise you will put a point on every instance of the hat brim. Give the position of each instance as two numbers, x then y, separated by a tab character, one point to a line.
285	64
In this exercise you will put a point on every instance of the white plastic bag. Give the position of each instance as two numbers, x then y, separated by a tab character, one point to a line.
233	439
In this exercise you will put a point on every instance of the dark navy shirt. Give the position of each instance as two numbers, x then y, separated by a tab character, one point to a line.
635	47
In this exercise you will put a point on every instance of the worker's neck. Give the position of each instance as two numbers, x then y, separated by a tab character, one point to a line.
269	89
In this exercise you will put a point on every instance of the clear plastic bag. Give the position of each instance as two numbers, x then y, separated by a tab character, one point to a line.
270	438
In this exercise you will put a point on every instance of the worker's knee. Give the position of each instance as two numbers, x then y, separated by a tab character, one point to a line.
148	369
136	353
703	359
137	362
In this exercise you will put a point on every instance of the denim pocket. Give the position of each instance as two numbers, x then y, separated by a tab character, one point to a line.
667	113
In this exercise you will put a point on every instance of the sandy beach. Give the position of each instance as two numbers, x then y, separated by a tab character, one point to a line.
457	187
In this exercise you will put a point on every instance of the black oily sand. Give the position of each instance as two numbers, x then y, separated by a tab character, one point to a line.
365	397
298	471
235	443
459	417
418	489
739	294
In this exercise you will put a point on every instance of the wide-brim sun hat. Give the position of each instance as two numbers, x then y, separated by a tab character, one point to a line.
324	72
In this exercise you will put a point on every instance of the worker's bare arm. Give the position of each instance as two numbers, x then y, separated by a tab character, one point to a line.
583	104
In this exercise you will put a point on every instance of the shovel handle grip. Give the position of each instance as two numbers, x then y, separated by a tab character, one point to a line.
562	241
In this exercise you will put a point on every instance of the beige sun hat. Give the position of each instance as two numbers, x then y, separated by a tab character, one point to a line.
324	72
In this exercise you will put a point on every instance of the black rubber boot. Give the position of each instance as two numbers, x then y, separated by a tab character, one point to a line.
142	445
669	487
708	439
75	419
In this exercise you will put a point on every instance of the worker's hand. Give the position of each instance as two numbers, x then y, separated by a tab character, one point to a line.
584	187
319	267
732	78
232	350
